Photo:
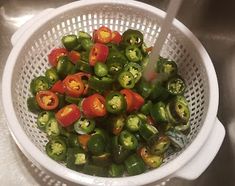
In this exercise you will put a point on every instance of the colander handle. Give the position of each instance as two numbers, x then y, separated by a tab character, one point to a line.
202	160
17	35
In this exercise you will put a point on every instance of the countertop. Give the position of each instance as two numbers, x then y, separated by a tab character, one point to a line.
212	21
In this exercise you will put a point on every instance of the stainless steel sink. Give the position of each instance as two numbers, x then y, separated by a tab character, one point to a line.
212	21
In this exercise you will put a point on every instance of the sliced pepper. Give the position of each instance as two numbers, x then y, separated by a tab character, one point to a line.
138	101
119	152
84	125
86	44
179	111
52	128
68	115
112	47
147	107
133	53
128	140
33	105
104	35
94	106
58	87
135	69
101	132
183	127
94	170
159	112
152	161
43	118
100	69
115	102
85	56
51	75
116	37
116	59
39	83
166	69
55	54
96	144
73	86
133	123
83	66
70	41
132	37
116	170
84	77
74	56
64	67
178	139
103	159
134	165
98	53
82	35
176	86
76	157
129	99
147	131
126	79
116	124
62	101
47	100
56	149
83	140
159	145
114	68
100	84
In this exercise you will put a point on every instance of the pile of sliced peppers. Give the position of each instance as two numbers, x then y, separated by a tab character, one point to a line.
101	117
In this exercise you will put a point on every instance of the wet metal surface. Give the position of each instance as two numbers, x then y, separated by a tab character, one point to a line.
212	21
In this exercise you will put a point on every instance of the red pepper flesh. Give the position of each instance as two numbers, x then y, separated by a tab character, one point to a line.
99	53
94	106
55	54
47	99
74	56
68	115
58	87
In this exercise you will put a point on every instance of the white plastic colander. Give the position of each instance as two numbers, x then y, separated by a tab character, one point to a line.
38	37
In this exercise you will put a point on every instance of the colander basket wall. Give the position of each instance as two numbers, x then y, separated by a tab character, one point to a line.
28	59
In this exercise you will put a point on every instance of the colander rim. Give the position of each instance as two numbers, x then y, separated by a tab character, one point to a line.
44	162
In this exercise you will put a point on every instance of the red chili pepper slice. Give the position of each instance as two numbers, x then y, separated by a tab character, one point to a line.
94	36
74	56
94	106
138	101
99	53
73	86
104	35
83	140
47	99
116	37
58	87
68	115
84	77
133	99
55	54
129	98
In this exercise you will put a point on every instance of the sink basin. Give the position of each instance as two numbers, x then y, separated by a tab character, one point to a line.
212	21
